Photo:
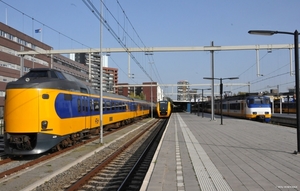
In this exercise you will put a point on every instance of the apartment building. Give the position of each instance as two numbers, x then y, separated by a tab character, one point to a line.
12	67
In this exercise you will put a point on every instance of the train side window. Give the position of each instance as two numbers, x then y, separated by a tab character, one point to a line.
79	105
116	105
103	106
108	105
112	105
224	106
96	105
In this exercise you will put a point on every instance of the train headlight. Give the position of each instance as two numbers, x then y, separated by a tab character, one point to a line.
44	125
266	112
254	113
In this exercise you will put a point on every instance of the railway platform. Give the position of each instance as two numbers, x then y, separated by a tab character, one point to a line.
198	153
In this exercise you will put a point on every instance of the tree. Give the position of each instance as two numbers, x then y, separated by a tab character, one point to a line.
141	96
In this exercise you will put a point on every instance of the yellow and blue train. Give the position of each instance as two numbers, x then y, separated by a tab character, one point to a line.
48	109
251	106
164	109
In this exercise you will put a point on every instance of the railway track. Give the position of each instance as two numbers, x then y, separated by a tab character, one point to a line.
116	162
285	120
29	177
124	169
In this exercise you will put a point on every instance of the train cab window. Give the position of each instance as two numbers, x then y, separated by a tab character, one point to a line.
36	74
79	105
60	75
257	101
52	74
83	90
267	101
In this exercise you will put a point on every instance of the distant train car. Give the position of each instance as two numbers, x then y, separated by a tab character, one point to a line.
48	109
164	109
286	107
248	107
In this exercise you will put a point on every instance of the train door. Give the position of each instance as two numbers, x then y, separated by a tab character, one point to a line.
138	109
134	109
86	114
243	108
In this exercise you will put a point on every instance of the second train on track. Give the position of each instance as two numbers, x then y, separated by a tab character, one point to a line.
255	107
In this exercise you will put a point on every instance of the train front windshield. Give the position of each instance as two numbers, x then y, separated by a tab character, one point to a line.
258	101
163	105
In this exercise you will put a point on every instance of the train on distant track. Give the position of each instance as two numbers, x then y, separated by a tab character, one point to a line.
250	106
47	109
164	109
284	107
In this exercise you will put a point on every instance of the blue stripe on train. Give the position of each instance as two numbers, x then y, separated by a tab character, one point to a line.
68	106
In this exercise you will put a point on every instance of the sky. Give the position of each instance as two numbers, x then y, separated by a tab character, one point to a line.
70	24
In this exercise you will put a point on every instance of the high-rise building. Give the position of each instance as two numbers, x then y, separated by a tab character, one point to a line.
183	90
110	75
156	91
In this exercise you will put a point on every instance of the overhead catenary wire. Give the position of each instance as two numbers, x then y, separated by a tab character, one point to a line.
265	76
94	10
45	25
127	34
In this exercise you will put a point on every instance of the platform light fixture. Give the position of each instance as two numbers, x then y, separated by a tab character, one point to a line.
221	91
296	47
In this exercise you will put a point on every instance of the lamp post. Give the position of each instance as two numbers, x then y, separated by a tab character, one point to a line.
296	47
202	100
221	91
